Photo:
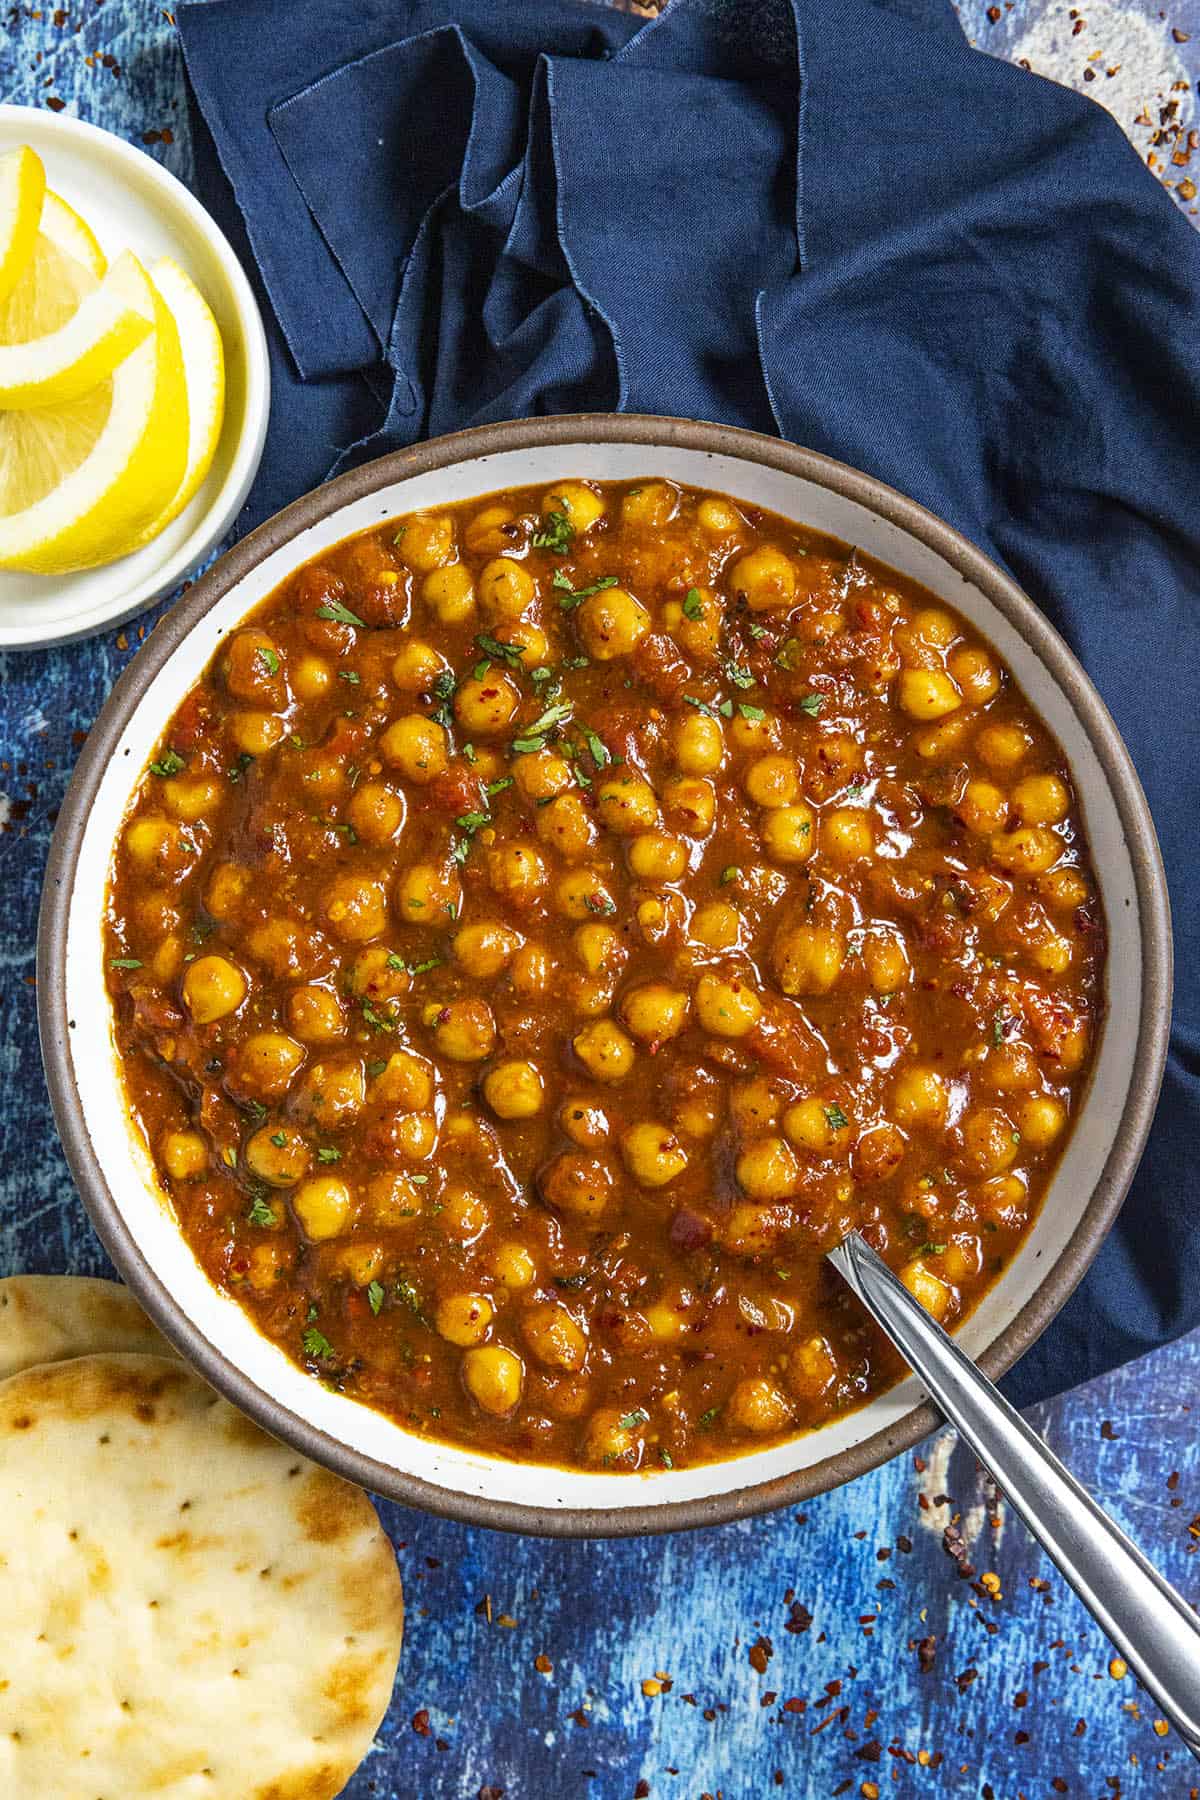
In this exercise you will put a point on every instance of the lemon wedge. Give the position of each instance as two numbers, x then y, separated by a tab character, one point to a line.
204	370
104	329
64	230
117	474
22	189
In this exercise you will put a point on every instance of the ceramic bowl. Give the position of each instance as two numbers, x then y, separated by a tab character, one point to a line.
111	1165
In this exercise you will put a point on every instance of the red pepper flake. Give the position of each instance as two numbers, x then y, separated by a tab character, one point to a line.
994	14
579	1717
962	1682
55	104
1107	1432
955	1547
1020	1737
926	1654
795	1706
1021	1699
491	1793
1186	189
642	1790
799	1618
542	1664
1059	1785
871	1752
1181	37
761	1652
420	1723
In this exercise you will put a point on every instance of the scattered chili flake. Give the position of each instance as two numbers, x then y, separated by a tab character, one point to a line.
542	1664
1107	1432
926	1654
761	1651
420	1723
799	1618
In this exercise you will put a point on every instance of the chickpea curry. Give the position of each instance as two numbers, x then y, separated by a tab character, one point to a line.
551	923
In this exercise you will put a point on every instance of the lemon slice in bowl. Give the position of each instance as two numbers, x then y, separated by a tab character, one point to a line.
22	189
204	370
110	492
102	331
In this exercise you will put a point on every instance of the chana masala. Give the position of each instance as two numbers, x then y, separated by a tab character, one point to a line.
550	923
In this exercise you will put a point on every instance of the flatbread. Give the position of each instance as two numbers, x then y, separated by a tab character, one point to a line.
45	1318
190	1610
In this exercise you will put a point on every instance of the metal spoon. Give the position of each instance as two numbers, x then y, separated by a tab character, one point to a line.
1155	1630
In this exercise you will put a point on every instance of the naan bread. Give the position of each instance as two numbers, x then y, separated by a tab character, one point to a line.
46	1318
190	1610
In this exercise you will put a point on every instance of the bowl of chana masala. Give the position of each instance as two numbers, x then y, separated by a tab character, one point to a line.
532	900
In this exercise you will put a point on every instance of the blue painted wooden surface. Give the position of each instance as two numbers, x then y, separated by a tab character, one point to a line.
790	1644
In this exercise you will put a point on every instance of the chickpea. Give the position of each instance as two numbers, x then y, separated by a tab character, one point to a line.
926	1287
976	674
1064	889
787	834
604	1050
417	747
530	640
376	813
493	1377
485	949
1042	1118
655	1012
1003	746
167	960
653	1154
267	1062
699	744
392	1200
878	1153
212	988
754	1106
184	1155
153	845
278	1155
577	1184
886	963
1029	851
717	926
772	781
252	668
960	1260
611	624
426	542
597	947
1011	1067
355	908
554	1337
767	1169
406	1082
449	593
542	775
650	505
255	733
282	946
513	1267
486	707
506	590
718	519
227	887
492	530
751	1229
577	502
938	742
584	1122
514	1090
627	804
417	666
812	1368
656	856
755	736
465	1031
983	808
465	1215
464	1319
312	678
757	1405
766	577
517	871
726	1007
1054	956
667	1323
566	825
934	626
531	971
415	1136
332	1093
323	1205
920	1098
191	800
928	694
695	623
427	894
692	804
989	1140
607	1440
1041	800
808	959
846	834
813	1125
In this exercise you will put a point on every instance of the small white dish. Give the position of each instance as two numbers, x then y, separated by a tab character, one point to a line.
132	203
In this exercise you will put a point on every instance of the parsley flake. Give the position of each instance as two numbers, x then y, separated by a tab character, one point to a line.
835	1118
328	1154
168	764
269	660
812	704
316	1344
631	1420
556	535
124	962
341	615
693	605
261	1213
375	1297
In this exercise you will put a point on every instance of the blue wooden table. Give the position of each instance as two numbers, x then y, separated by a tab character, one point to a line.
900	1636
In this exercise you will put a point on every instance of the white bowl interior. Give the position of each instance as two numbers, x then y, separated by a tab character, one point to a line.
126	1166
133	203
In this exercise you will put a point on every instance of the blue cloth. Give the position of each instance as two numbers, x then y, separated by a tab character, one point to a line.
827	218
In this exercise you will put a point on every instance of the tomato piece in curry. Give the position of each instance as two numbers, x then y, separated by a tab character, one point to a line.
551	922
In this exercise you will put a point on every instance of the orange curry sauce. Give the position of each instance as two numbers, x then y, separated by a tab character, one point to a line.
550	923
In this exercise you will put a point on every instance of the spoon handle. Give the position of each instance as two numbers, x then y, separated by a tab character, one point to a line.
1156	1632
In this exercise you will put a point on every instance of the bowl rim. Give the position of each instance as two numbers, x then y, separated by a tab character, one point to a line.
1153	923
174	201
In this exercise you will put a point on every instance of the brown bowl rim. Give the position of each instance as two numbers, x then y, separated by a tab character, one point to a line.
481	442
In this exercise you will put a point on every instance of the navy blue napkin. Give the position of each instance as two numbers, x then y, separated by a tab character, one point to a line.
832	219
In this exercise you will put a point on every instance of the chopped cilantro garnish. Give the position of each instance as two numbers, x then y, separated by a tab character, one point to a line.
279	1139
732	873
423	968
812	704
556	535
169	763
855	791
375	1297
999	1026
376	1020
498	786
664	1457
376	1067
706	1418
533	737
789	653
631	1420
933	1249
600	903
601	754
395	960
500	652
350	675
316	1344
341	615
570	596
693	605
261	1213
740	675
240	766
269	661
124	962
755	714
835	1118
328	1154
